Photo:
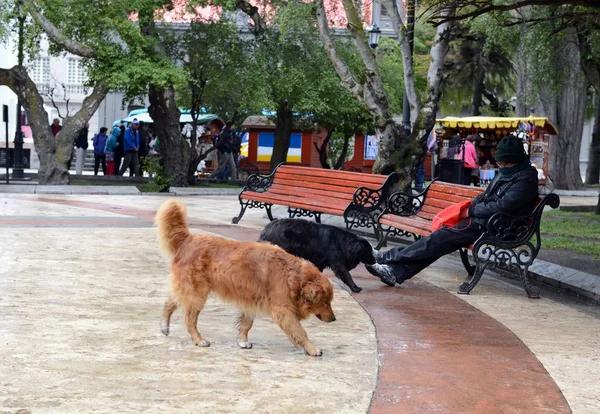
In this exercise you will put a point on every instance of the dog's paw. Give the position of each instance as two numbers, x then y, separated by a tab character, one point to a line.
164	328
245	345
203	343
356	289
316	352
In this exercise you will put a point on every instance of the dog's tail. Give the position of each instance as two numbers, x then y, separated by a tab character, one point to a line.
172	226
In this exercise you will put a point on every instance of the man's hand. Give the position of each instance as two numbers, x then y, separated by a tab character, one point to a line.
464	214
135	149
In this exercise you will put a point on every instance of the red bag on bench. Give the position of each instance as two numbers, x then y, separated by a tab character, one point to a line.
450	216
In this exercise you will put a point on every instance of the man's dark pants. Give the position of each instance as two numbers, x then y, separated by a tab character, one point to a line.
410	260
131	162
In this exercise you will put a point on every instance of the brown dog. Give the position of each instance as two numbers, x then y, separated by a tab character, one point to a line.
258	278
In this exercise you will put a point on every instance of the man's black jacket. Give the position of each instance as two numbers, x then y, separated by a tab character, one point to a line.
514	195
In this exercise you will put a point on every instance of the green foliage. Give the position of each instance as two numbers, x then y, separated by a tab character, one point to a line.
159	181
391	69
479	62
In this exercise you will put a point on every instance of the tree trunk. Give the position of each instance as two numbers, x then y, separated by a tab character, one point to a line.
54	152
323	151
342	159
283	129
568	109
175	150
478	93
592	174
521	63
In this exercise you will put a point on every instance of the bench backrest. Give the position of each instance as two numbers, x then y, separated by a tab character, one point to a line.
320	182
441	195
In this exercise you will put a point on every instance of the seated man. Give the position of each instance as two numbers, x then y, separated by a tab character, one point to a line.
513	191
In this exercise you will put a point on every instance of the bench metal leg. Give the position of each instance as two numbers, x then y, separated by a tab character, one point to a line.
533	292
467	287
464	256
237	219
269	214
300	212
252	204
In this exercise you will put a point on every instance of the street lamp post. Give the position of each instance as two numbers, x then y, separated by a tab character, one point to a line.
17	172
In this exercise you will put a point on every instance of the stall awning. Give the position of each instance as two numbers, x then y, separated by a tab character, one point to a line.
491	122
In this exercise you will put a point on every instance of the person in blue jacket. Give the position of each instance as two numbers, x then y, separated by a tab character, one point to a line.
131	145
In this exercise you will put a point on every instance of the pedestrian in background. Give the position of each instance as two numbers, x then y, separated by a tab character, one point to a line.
81	143
131	145
110	148
99	142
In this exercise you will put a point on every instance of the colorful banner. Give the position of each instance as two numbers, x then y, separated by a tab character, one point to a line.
266	141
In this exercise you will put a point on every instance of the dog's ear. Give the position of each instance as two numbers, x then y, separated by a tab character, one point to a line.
311	292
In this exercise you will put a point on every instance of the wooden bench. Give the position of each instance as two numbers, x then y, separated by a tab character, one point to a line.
510	243
309	192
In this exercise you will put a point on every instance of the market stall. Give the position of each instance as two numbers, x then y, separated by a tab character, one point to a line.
534	131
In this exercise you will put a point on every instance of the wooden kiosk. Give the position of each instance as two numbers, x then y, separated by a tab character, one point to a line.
534	131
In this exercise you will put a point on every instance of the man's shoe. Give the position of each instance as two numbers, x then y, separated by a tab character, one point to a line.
377	255
384	272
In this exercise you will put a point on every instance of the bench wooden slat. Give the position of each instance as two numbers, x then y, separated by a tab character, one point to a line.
332	174
323	186
460	190
314	193
323	206
391	221
301	180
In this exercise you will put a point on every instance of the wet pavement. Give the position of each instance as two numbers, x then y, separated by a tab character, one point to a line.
81	291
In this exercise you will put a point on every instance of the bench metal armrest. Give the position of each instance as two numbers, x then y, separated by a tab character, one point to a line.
403	204
372	199
260	183
506	228
507	240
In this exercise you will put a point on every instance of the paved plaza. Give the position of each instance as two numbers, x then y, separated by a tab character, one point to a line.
82	285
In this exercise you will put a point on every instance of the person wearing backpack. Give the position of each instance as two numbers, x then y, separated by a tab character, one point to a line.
111	146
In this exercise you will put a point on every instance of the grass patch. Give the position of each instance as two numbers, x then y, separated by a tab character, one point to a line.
574	245
564	223
577	232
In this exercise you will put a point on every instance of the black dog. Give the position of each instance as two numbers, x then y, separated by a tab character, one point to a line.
322	245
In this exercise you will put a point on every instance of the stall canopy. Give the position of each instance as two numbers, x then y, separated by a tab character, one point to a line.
491	122
184	118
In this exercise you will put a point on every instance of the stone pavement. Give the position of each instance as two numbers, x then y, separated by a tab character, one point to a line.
81	293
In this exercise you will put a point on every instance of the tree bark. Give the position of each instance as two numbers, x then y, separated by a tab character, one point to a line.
568	109
323	151
592	174
478	93
283	129
522	70
175	150
54	152
339	164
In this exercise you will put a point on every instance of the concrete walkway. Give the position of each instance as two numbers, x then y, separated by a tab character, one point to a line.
82	287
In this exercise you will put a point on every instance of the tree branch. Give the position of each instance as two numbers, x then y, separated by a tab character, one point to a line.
55	34
375	97
260	27
482	7
341	68
407	61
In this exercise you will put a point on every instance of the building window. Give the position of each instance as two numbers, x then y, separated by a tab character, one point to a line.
76	72
39	70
